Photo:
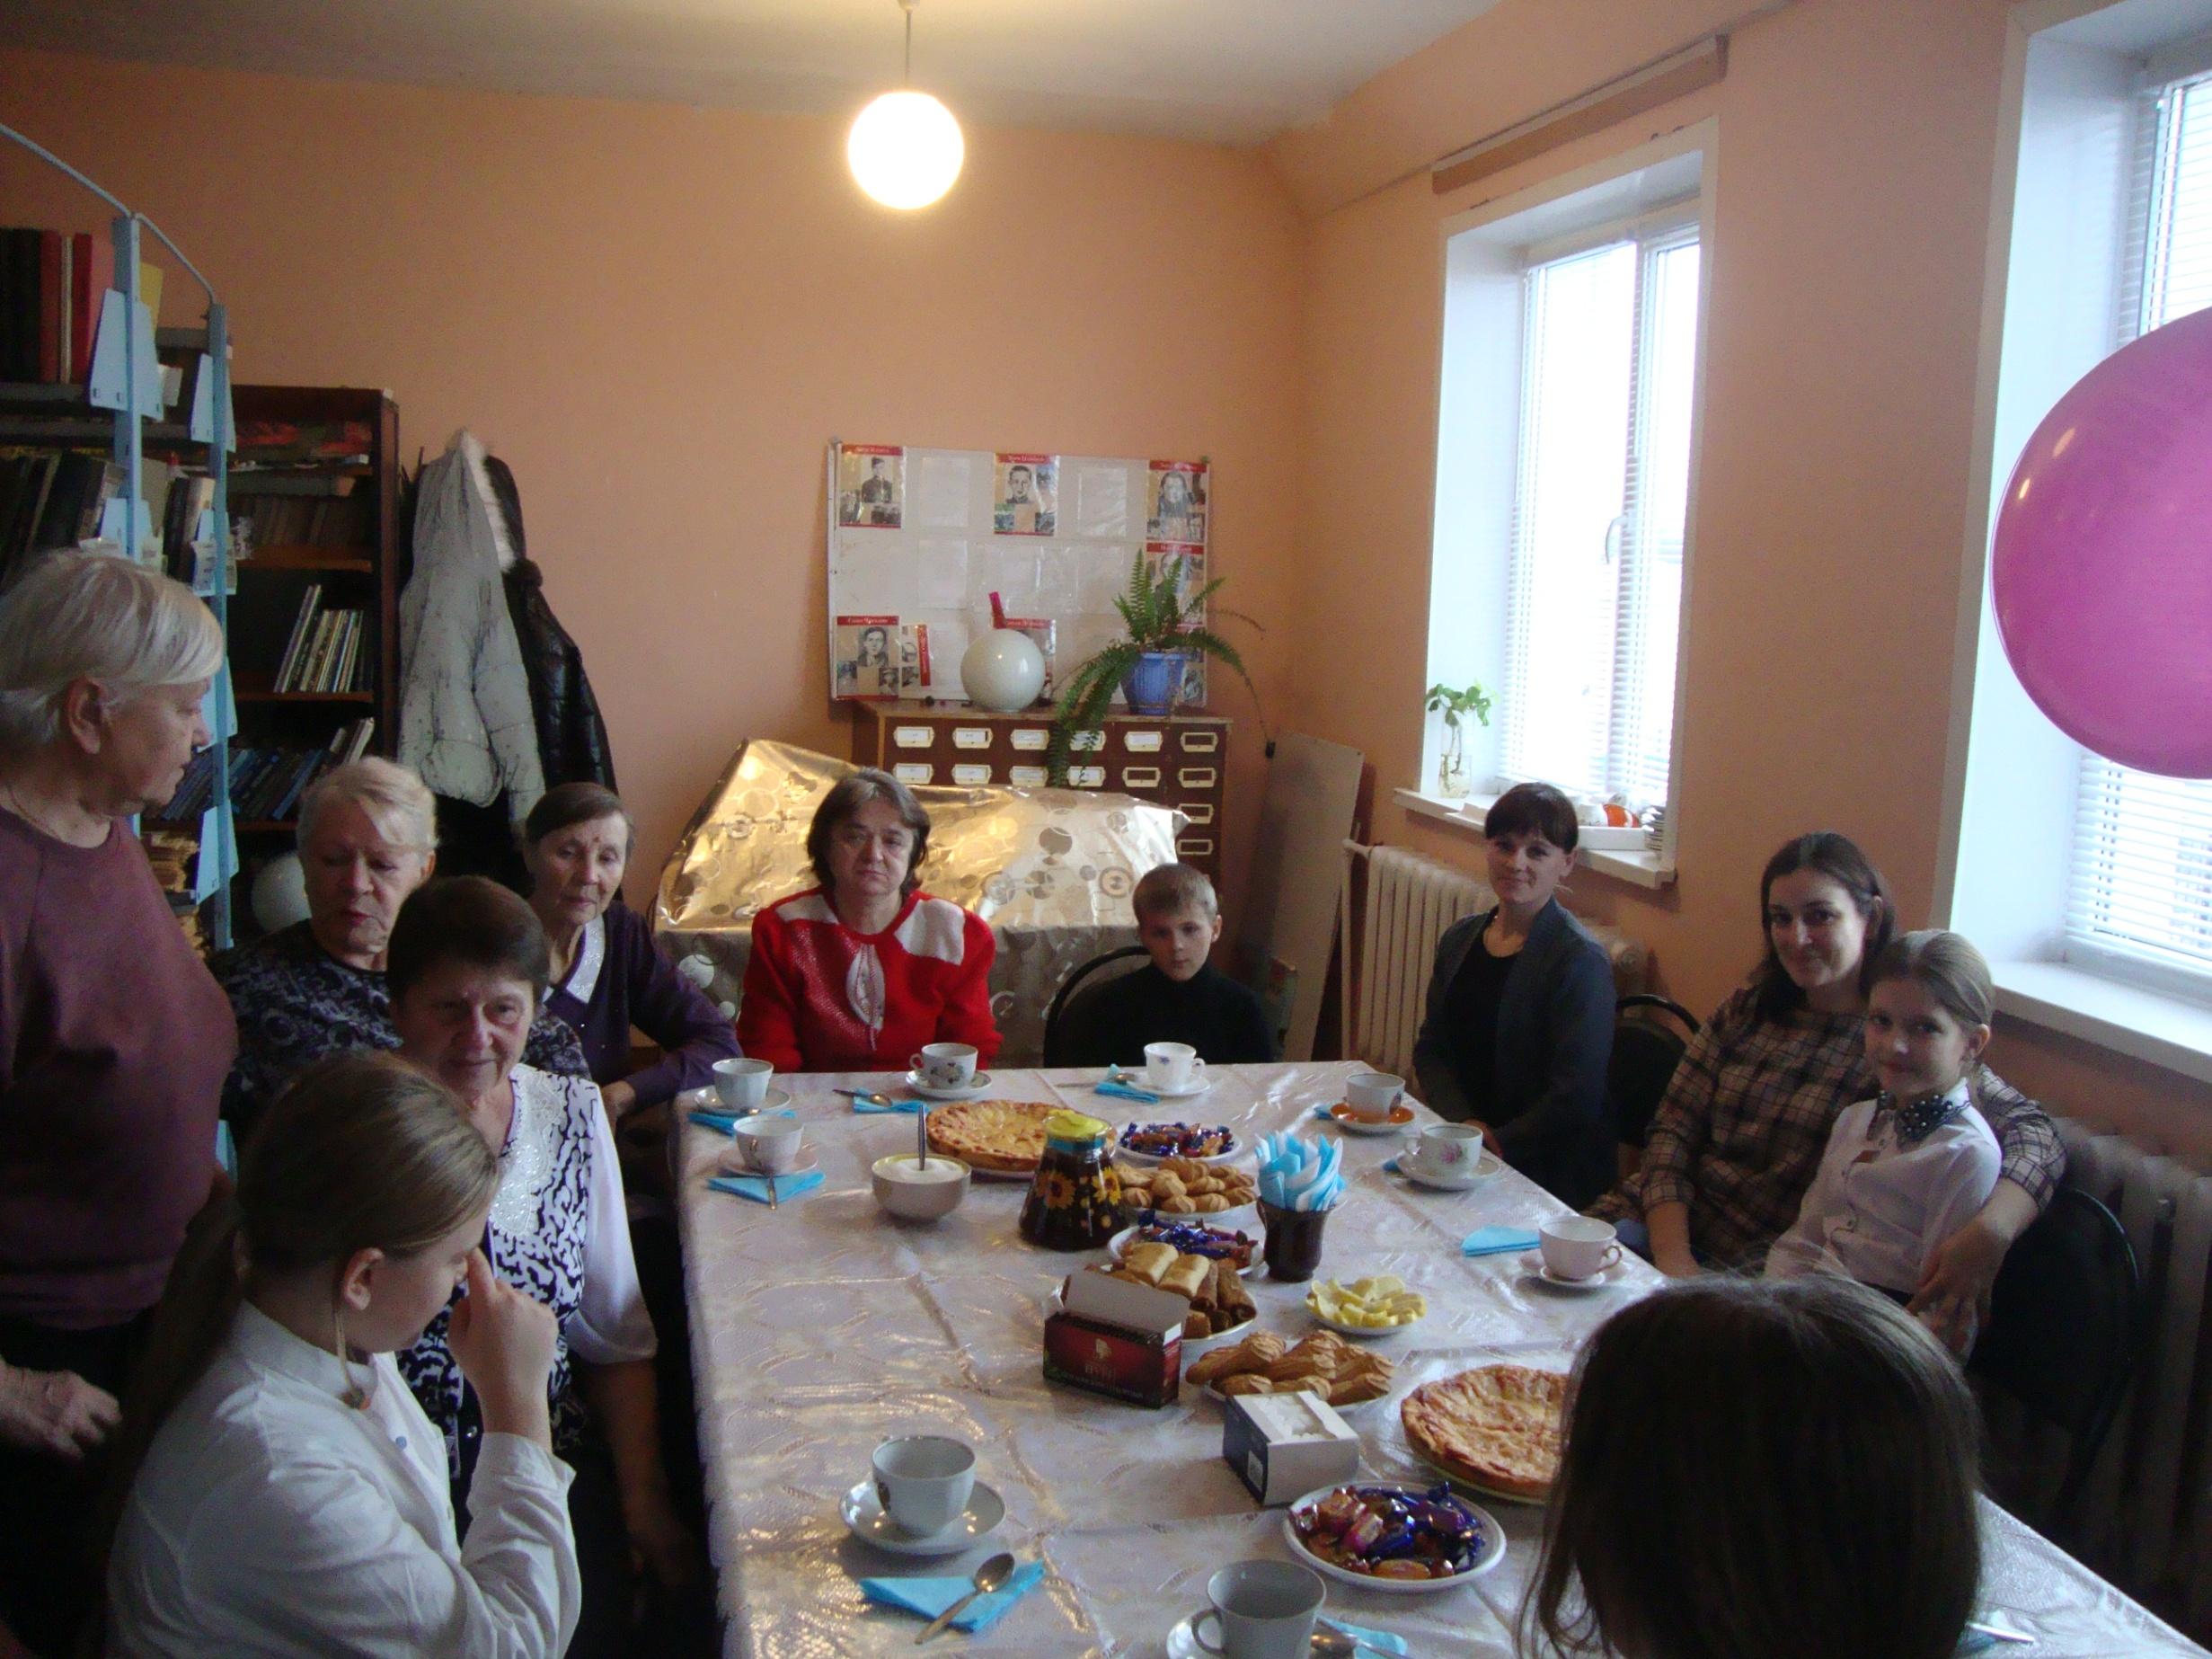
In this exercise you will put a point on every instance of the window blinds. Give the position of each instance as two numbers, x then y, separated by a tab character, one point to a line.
2140	892
1600	505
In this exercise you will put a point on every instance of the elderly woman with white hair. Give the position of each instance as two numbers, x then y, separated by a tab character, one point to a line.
114	1040
368	839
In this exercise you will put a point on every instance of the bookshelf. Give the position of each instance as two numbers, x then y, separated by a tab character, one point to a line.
85	395
315	488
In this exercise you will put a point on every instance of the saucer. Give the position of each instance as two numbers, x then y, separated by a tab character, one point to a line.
1138	1079
775	1100
733	1163
1531	1264
864	1516
1182	1642
1399	1116
1486	1164
977	1086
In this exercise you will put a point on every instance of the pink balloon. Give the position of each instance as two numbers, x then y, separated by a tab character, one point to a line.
2102	565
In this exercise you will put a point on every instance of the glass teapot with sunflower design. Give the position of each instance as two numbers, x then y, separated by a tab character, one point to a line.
1075	1202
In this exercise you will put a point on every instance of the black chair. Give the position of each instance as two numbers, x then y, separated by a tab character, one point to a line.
2066	1329
1650	1034
1055	1038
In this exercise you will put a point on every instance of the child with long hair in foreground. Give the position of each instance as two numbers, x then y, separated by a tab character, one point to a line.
1761	1469
279	1490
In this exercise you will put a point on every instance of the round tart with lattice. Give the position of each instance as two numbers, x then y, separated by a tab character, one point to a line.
1004	1135
1496	1427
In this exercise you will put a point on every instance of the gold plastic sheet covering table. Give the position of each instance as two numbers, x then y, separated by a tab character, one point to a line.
822	1327
1051	870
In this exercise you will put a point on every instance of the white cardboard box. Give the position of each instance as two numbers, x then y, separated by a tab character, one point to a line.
1283	1446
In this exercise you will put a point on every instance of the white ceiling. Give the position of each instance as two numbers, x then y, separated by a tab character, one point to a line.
1231	71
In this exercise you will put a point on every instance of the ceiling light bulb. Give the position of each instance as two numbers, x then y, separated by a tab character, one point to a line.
906	149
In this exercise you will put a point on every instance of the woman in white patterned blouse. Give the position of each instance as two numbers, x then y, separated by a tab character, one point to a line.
467	963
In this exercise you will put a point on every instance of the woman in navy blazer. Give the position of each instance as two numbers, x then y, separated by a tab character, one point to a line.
1519	1024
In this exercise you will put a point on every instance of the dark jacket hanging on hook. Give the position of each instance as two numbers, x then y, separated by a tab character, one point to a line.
572	743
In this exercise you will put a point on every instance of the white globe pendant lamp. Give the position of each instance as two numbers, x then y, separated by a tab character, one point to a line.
905	148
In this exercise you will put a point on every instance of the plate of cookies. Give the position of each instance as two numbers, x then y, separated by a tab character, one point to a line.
1221	1307
1177	1186
1241	1250
1322	1363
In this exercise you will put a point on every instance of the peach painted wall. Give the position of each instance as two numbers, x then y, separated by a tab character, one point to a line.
1856	142
659	315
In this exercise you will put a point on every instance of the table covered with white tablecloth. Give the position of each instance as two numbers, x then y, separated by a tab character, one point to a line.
822	1327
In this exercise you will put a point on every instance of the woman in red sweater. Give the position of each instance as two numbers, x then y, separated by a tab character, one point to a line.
857	973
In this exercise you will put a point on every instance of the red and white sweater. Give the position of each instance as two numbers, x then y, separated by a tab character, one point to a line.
819	997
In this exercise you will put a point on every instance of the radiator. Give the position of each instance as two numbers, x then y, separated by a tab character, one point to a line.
1410	900
2147	1512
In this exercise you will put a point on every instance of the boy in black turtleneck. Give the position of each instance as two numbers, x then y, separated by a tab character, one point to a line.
1179	997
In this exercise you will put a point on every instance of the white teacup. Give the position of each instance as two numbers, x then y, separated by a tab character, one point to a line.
742	1084
1449	1148
1262	1610
1370	1094
1577	1246
946	1065
924	1481
769	1144
1172	1065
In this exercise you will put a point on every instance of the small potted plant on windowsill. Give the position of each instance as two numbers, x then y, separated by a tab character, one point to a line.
1452	764
1166	627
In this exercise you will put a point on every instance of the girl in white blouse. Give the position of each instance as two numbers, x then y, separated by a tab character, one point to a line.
284	1493
1905	1169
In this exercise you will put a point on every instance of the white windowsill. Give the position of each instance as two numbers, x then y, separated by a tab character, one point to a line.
1639	869
2163	1030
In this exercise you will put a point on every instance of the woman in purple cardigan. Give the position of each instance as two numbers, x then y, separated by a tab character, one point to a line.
608	975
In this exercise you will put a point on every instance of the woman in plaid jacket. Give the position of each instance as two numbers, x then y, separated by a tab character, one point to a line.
1738	1136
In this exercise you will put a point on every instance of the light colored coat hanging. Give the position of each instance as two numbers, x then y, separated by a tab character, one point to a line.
465	725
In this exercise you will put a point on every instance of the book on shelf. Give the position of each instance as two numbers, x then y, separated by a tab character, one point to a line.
50	499
266	781
51	282
295	646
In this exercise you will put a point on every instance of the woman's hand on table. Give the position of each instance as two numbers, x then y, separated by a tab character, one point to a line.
620	1099
1489	1138
1678	1264
55	1414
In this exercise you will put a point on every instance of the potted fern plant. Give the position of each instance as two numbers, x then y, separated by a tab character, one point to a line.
1166	626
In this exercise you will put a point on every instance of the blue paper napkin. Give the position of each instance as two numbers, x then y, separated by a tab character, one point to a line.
1122	1091
1382	1641
930	1596
1496	1241
755	1187
726	1123
1326	1113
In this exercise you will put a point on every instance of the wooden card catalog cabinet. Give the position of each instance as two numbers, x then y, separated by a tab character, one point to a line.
1178	761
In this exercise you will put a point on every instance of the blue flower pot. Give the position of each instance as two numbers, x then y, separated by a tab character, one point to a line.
1151	684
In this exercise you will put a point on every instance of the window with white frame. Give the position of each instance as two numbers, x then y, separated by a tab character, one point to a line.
2139	889
1572	327
1594	598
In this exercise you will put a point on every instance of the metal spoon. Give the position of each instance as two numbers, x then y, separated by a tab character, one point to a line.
921	1136
989	1576
1337	1644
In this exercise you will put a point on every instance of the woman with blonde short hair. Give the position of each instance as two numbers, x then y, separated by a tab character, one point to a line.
113	1039
368	839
